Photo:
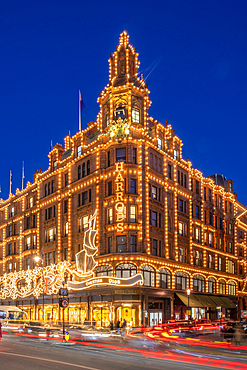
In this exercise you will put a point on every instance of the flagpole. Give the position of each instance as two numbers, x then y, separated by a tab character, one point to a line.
10	181
23	176
79	110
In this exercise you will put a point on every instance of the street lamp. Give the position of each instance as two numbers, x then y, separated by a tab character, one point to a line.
37	259
188	294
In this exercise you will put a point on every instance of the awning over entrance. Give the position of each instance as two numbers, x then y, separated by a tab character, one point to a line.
193	302
200	300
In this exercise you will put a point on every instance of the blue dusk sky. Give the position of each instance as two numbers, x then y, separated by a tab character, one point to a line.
195	50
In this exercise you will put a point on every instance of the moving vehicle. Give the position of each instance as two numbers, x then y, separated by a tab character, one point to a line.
12	313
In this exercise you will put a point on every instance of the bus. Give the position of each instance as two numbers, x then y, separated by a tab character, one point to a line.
12	313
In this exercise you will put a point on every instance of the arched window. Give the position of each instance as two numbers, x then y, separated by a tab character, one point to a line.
222	286
165	279
198	283
211	285
148	273
181	280
231	288
104	271
125	270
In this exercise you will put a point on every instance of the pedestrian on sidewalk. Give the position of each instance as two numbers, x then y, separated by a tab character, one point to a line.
124	328
111	327
118	326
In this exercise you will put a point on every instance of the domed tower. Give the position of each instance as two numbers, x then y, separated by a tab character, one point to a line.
126	95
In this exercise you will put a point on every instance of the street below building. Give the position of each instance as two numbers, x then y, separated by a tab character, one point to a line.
30	352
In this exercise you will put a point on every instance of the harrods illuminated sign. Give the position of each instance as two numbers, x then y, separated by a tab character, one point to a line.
119	206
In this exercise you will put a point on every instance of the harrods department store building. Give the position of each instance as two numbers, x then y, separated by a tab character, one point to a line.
155	216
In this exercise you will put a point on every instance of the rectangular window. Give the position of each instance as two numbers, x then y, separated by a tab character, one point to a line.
180	228
205	238
154	218
197	186
85	223
230	247
220	201
133	186
52	186
66	180
135	115
230	229
66	228
31	202
133	241
197	235
49	188
50	235
169	171
88	167
121	244
154	192
132	213
83	170
221	223
159	143
209	195
215	200
110	244
109	188
108	119
79	151
28	242
110	215
54	165
175	154
49	213
84	198
210	218
65	206
34	241
79	172
220	264
198	212
28	263
155	247
210	239
121	155
50	258
108	159
134	156
205	194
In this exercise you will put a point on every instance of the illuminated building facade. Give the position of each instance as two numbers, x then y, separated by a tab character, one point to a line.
156	216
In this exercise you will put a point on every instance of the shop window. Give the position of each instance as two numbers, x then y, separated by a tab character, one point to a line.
198	283
121	244
126	270
231	288
222	286
164	279
104	270
148	273
211	285
181	280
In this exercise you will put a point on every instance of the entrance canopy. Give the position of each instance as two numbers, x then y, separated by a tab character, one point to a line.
200	300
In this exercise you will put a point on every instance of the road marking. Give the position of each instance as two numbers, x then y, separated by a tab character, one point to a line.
49	360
